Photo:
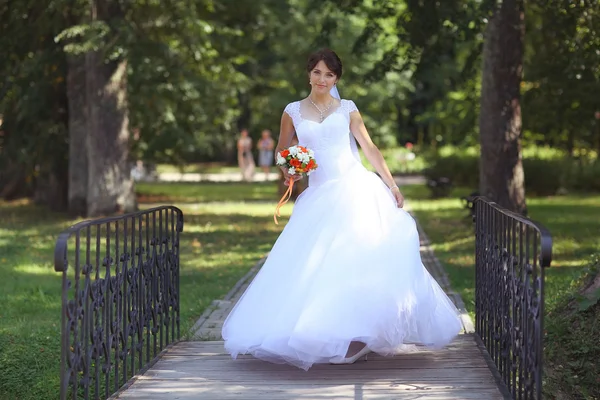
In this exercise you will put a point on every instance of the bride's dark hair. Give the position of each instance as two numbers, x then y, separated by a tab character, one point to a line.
330	59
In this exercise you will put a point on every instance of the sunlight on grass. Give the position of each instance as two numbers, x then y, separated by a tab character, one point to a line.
35	269
193	192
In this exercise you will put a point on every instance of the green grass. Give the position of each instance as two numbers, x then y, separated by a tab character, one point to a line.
200	168
571	347
220	243
30	298
206	192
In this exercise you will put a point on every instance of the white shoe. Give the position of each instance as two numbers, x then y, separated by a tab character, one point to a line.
352	359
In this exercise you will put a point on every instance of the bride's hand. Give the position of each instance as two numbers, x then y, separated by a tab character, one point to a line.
287	177
398	196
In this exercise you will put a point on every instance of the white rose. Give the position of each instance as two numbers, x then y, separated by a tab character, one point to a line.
293	150
303	157
292	171
280	160
311	153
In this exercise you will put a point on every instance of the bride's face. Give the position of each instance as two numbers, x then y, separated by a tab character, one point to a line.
322	78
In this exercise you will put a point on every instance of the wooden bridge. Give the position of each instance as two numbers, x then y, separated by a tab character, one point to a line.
498	358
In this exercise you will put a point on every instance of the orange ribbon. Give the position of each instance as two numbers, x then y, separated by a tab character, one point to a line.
286	196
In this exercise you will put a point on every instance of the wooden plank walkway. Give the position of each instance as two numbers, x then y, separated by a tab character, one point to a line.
201	369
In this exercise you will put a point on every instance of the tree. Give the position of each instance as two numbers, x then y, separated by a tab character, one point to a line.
501	175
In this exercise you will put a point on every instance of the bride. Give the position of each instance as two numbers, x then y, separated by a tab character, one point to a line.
345	276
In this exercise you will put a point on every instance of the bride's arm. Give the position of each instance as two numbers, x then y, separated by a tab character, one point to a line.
359	130
287	135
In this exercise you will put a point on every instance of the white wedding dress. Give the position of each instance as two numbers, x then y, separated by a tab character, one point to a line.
346	267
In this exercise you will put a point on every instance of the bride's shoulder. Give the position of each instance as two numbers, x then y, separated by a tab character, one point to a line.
292	109
349	105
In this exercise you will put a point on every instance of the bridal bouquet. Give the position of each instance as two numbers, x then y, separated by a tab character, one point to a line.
297	160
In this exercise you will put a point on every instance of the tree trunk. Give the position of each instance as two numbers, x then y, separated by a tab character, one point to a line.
13	181
51	187
78	166
598	134
109	184
501	170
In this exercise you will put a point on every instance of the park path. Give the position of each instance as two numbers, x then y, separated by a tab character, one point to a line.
258	177
201	369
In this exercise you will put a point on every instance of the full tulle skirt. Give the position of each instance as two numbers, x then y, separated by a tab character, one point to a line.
346	268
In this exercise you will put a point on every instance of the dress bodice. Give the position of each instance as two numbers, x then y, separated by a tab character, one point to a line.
330	140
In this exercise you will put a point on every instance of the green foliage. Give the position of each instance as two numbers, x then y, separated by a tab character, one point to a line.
547	171
435	46
80	39
460	166
562	73
584	175
33	104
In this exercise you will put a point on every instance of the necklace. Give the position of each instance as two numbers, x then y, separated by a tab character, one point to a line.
321	112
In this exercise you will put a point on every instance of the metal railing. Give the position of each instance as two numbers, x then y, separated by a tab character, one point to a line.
511	255
120	298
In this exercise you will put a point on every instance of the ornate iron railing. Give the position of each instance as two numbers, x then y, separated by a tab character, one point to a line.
511	255
120	298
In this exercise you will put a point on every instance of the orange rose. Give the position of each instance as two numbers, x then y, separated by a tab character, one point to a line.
285	153
311	164
295	163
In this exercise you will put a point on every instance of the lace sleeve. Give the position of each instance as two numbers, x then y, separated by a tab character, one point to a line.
293	110
350	106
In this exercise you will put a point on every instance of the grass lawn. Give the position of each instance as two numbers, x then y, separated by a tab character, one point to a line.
571	355
220	243
206	192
